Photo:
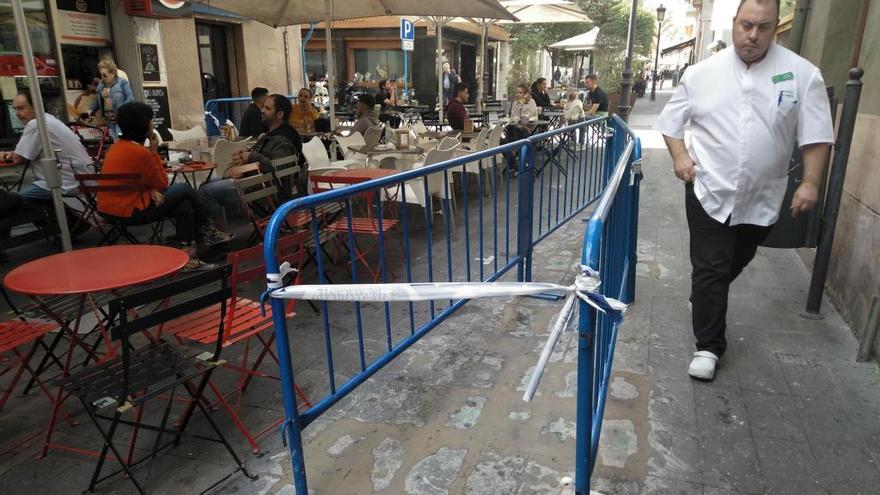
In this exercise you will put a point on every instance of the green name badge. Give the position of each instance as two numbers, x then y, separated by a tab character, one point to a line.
778	78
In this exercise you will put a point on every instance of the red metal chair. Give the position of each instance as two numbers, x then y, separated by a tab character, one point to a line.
14	335
244	322
361	223
95	139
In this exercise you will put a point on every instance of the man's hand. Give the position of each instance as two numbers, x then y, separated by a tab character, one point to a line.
5	156
157	197
805	198
239	157
684	168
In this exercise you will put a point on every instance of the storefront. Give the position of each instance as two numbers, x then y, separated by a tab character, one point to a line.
176	56
368	50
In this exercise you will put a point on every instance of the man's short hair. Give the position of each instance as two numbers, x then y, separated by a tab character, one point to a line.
283	105
367	99
27	96
134	119
759	2
258	92
593	77
459	87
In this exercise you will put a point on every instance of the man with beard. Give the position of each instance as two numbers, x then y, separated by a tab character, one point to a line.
280	141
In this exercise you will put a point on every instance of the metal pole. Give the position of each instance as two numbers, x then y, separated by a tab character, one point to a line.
331	67
872	328
835	189
623	106
439	22
798	25
48	160
480	89
656	63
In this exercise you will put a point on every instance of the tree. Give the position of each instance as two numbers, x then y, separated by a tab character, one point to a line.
612	18
541	36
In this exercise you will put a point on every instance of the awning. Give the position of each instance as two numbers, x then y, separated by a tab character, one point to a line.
581	42
684	45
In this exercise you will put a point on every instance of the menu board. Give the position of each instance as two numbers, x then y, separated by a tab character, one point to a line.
83	22
150	62
157	98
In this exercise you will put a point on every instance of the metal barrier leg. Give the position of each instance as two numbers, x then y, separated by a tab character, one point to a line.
290	428
583	438
524	212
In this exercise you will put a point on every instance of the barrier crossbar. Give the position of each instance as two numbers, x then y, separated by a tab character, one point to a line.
490	220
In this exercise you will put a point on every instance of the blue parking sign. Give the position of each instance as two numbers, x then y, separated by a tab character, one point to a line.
407	30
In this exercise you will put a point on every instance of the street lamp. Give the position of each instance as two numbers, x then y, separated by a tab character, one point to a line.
661	13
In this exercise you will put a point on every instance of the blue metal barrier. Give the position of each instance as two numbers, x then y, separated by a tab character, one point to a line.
500	218
610	248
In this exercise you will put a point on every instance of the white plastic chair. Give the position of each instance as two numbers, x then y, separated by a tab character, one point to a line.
223	151
316	156
415	189
195	134
373	136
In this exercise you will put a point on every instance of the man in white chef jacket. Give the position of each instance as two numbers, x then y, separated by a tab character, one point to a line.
747	106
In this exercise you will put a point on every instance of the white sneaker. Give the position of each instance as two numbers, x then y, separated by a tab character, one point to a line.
703	365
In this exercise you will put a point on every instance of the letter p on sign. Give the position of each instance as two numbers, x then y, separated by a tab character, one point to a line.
407	30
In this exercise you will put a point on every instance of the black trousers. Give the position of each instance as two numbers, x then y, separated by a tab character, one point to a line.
719	253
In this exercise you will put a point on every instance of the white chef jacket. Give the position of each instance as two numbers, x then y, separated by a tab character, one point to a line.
743	125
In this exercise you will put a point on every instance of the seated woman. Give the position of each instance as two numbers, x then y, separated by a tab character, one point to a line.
157	200
303	114
522	106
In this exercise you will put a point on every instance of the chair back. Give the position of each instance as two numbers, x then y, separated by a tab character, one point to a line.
495	136
223	152
449	143
259	198
436	181
419	127
479	143
316	154
285	170
91	184
180	297
373	136
194	134
353	139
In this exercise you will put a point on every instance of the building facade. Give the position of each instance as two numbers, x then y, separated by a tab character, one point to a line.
368	50
176	56
832	42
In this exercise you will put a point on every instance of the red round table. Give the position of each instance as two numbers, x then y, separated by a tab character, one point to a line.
95	269
363	173
82	273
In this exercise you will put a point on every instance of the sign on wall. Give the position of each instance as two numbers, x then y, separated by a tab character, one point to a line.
150	62
157	98
83	22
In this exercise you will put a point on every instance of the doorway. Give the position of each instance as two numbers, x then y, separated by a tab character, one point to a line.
211	40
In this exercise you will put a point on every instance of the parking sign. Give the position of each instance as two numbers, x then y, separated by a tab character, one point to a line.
407	30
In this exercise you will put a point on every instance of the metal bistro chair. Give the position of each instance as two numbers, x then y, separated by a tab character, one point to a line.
245	325
361	223
153	370
111	229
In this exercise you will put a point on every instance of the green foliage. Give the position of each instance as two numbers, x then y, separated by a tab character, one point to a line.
612	18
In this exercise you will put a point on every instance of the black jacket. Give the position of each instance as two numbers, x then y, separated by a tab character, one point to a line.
280	143
252	122
541	99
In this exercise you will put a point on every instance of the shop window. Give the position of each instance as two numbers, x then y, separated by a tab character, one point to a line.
13	76
316	69
380	64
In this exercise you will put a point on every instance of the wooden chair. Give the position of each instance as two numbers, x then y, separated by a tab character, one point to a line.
155	370
245	325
